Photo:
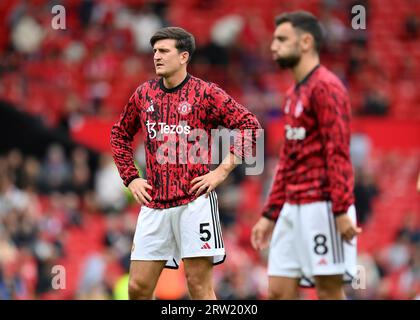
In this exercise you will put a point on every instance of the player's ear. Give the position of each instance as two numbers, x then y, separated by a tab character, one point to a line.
307	41
184	57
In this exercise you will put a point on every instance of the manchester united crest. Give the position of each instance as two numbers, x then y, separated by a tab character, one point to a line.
184	108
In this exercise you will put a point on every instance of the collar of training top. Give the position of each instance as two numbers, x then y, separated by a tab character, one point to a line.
307	76
170	90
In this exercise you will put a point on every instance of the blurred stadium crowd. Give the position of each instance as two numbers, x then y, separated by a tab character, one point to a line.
69	207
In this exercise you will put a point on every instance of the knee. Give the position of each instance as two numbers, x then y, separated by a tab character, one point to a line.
330	291
197	285
323	293
139	289
281	294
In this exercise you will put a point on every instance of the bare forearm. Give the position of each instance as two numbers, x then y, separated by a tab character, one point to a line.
211	180
228	164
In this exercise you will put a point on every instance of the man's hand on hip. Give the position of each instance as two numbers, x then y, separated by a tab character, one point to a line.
208	182
138	188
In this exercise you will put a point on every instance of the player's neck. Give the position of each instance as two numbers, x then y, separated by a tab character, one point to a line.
175	79
304	67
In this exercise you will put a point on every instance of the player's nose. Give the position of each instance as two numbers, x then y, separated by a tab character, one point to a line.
156	56
273	47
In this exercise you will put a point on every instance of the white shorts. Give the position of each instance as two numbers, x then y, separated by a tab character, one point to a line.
191	230
306	243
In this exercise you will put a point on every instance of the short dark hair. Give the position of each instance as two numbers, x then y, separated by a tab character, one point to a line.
184	40
304	21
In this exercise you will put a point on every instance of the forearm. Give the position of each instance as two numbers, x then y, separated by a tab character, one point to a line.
228	164
122	152
122	134
341	181
276	197
274	204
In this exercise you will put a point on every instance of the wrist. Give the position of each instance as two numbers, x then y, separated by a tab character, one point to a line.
223	170
269	219
131	179
339	214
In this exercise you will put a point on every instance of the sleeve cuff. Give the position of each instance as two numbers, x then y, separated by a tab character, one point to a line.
128	181
272	213
266	215
337	214
340	210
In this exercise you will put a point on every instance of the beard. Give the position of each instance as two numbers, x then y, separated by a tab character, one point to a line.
288	62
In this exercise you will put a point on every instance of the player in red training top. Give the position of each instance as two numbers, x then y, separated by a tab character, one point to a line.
309	214
177	221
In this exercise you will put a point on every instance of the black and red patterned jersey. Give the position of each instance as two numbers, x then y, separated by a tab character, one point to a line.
314	162
177	125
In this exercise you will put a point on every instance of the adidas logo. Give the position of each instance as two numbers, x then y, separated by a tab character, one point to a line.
150	108
206	246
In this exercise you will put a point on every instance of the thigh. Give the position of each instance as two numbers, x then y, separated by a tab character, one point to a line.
330	287
332	282
201	267
283	288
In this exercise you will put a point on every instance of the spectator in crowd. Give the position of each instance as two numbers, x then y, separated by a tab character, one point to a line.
365	190
375	103
109	191
412	26
55	170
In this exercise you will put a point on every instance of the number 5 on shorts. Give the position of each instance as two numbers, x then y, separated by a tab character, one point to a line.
205	234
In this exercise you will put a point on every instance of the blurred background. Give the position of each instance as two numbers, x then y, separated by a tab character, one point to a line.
62	201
